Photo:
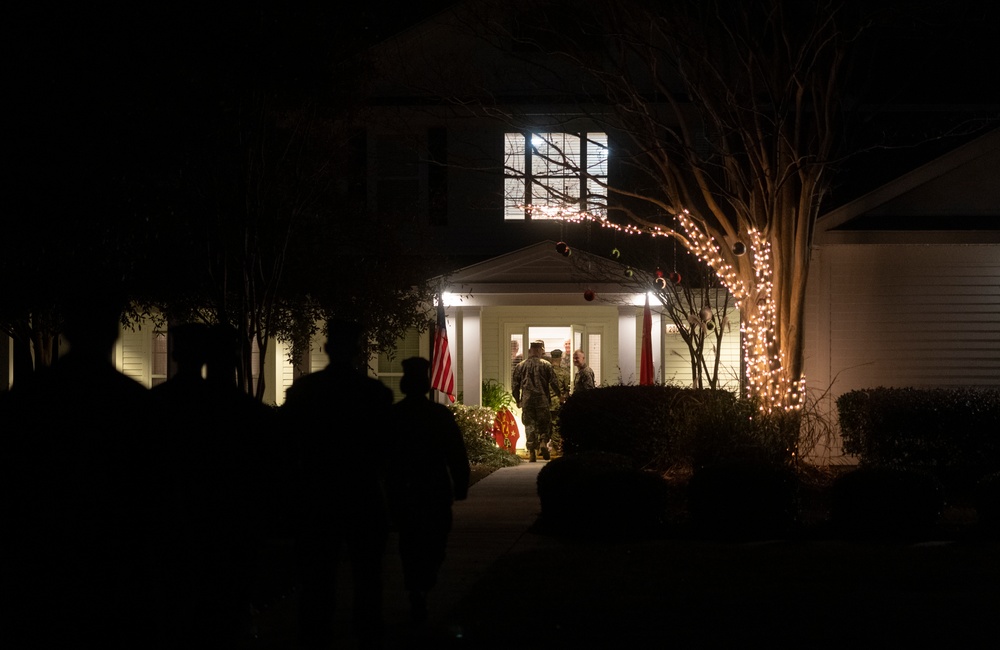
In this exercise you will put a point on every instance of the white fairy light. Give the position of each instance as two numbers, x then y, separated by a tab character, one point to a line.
765	363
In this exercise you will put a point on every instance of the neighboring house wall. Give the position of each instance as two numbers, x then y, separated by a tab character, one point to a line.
904	283
906	315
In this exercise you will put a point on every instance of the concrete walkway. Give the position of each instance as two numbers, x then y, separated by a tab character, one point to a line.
492	523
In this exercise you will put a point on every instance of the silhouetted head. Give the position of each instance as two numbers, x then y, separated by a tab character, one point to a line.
189	345
344	344
416	376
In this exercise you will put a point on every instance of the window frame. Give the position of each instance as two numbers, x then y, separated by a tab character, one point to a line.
542	159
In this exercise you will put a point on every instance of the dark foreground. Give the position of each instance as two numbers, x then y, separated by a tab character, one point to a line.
507	583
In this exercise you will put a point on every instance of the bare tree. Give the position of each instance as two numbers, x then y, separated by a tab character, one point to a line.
723	118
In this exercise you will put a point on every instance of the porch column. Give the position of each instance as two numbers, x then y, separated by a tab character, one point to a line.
472	355
657	341
627	345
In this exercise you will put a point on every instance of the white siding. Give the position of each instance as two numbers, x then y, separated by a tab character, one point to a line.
135	353
677	357
904	316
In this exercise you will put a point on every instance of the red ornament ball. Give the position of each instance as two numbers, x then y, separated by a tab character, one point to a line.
675	277
659	273
589	295
563	249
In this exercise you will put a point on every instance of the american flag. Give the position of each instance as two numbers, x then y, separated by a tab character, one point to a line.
442	376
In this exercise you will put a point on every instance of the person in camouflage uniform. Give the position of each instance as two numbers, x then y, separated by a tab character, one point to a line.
584	373
534	382
557	399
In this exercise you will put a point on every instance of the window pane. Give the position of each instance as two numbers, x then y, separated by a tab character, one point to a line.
556	193
514	144
513	198
514	165
390	371
565	171
159	370
597	154
556	154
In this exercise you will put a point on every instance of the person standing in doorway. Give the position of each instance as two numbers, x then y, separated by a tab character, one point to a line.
558	399
534	384
584	373
428	472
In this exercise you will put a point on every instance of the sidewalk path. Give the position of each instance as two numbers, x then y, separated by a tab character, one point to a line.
491	523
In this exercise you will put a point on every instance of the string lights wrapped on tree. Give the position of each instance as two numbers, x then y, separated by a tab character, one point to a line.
728	119
749	278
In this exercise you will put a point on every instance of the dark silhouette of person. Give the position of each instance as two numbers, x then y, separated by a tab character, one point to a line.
212	436
81	493
340	496
428	471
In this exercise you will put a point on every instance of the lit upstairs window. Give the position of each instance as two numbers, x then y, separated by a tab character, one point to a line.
548	175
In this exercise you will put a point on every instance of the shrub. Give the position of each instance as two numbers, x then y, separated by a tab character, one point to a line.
476	423
636	421
951	432
743	499
663	426
602	495
986	498
885	502
724	429
495	396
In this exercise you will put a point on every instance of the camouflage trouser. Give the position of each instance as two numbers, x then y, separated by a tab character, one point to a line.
537	421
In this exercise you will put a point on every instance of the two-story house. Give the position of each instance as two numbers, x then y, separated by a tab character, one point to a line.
467	146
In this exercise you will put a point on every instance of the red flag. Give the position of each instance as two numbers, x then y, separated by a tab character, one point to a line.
646	369
442	376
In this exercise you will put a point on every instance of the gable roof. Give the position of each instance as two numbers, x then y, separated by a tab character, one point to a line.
539	274
952	199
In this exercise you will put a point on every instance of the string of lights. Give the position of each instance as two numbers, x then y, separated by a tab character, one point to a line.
752	287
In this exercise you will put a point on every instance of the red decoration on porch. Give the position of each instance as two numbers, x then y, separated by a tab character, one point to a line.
505	430
563	249
659	273
589	295
675	277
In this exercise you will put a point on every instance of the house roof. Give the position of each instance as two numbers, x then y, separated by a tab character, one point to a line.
540	274
955	198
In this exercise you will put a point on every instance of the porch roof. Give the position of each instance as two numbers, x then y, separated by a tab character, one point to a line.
540	275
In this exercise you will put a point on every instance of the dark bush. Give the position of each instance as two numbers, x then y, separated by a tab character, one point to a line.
885	503
633	421
986	498
743	499
601	495
952	433
559	480
646	423
727	430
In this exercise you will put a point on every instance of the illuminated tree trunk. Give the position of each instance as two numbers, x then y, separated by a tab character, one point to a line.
739	158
